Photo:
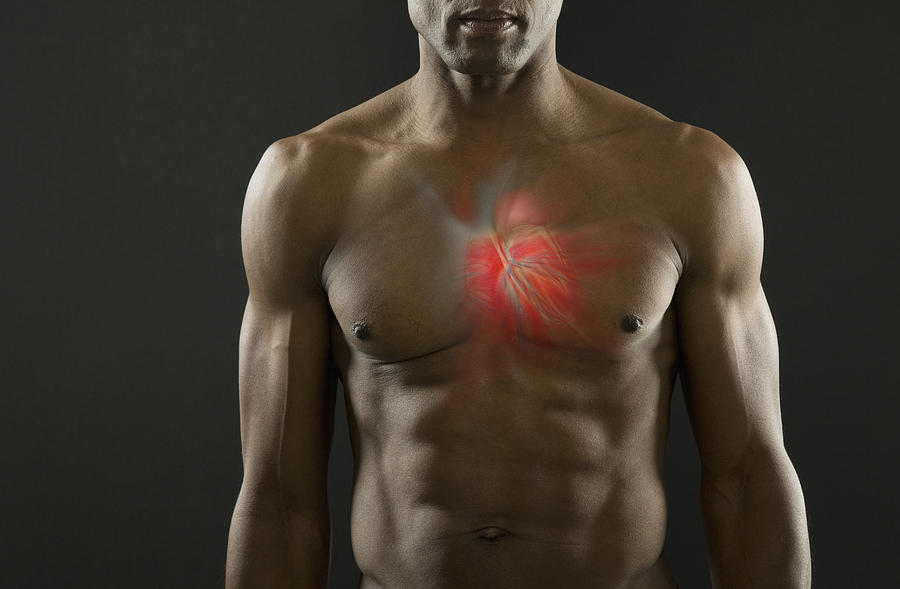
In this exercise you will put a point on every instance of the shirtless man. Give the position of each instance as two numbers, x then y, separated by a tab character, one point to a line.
506	265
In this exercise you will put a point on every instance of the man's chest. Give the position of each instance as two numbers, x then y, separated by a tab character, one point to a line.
561	256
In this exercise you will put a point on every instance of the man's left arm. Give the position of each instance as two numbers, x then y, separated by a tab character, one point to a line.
751	499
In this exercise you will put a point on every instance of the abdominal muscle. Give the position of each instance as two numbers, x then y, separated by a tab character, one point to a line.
505	479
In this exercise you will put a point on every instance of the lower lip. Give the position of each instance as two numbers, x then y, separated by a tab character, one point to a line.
495	25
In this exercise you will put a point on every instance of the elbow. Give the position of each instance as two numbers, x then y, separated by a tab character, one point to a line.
760	467
270	545
271	501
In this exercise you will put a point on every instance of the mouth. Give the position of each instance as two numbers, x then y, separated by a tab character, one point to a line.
487	21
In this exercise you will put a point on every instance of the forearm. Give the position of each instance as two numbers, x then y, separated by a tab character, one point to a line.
270	546
756	527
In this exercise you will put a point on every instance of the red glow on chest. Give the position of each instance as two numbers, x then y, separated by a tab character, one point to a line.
524	284
527	280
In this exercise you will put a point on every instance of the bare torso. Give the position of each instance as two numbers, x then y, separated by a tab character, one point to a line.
496	450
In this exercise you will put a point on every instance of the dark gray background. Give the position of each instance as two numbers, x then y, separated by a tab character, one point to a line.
130	130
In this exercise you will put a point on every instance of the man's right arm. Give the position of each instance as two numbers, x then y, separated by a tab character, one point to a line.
280	534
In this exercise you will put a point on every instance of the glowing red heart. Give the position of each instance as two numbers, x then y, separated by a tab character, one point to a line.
523	284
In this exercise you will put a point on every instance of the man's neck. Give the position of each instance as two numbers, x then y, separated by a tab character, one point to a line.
501	109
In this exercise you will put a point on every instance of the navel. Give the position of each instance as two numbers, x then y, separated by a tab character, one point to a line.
360	329
631	323
492	534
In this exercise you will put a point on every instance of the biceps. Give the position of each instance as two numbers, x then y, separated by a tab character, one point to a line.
729	373
287	392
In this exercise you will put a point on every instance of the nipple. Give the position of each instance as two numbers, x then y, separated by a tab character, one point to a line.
360	329
631	323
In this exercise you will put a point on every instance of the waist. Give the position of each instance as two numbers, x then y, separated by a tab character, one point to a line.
429	516
534	540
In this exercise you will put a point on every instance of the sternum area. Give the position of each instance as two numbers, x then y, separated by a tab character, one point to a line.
523	284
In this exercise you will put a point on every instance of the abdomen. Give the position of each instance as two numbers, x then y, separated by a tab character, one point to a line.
513	481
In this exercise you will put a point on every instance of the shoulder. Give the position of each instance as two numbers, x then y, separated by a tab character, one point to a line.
303	184
698	182
314	155
335	152
646	136
700	187
291	208
706	163
696	158
647	140
292	175
702	172
340	144
712	203
310	172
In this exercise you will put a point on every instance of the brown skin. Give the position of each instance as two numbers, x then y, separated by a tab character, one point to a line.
514	464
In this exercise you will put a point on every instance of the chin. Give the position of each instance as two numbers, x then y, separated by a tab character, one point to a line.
483	69
484	65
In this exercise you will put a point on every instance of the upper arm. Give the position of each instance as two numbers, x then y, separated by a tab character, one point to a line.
286	383
727	339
